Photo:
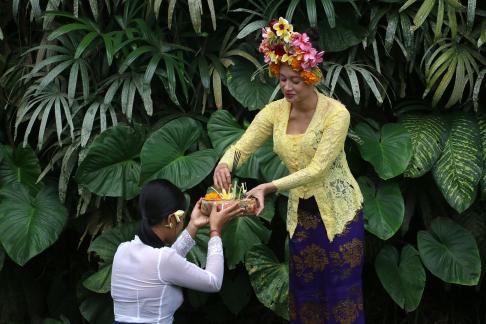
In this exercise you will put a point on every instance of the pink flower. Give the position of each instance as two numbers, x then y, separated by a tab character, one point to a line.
301	41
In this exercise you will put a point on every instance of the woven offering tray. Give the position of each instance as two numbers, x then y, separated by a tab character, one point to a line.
249	205
223	198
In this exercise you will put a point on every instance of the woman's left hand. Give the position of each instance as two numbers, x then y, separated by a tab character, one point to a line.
259	193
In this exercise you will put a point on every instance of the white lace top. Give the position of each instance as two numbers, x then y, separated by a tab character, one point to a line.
146	282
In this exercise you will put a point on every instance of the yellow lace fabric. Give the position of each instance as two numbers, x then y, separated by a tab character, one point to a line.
316	160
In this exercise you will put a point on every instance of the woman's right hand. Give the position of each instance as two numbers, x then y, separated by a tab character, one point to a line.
222	176
219	218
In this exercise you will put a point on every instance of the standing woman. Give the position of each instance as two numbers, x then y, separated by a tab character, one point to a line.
149	271
324	217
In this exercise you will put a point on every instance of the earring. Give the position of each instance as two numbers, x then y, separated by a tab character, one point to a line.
171	226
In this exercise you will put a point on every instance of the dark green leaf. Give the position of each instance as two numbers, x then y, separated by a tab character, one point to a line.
450	252
403	277
236	290
30	224
163	155
249	90
458	170
110	167
19	165
428	134
269	278
389	151
240	235
384	208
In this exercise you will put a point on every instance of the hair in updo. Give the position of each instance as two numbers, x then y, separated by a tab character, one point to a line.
158	199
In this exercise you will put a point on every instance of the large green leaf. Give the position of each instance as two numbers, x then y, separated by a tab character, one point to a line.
104	246
19	165
388	150
163	156
236	290
97	309
383	209
346	34
29	224
269	278
458	170
110	167
428	134
240	235
482	130
100	281
450	252
403	277
252	91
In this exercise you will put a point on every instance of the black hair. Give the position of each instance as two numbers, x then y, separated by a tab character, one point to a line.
158	199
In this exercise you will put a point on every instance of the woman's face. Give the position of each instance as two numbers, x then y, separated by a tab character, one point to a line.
292	86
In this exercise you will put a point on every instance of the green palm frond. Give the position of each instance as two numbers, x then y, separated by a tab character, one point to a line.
195	11
38	104
334	76
426	8
450	59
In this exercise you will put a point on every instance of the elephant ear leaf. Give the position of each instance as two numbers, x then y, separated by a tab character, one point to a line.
459	168
253	92
482	130
269	278
428	134
450	252
164	154
384	207
111	166
389	150
29	223
19	165
402	276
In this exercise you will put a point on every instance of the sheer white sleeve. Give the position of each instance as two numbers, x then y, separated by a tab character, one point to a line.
178	271
183	244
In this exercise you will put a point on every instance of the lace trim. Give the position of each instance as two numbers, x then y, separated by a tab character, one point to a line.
184	243
215	246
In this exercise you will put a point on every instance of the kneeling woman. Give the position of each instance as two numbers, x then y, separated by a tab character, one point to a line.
149	271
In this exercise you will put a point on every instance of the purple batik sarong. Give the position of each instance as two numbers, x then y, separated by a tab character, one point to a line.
325	277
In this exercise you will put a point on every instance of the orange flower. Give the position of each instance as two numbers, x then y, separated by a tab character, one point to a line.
295	65
274	69
310	77
212	196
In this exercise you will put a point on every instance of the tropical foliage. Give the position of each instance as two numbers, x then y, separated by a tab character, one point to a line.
98	97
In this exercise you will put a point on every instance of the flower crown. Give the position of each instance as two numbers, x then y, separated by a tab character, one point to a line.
280	44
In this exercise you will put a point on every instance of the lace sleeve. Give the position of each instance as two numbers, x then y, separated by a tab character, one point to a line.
259	131
330	145
183	244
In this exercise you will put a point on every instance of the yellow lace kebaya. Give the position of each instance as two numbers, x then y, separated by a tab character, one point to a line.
315	159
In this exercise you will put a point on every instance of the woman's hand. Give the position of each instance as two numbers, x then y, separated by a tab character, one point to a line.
219	218
222	176
198	220
259	193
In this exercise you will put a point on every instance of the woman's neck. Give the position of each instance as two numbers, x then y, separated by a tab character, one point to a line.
307	105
